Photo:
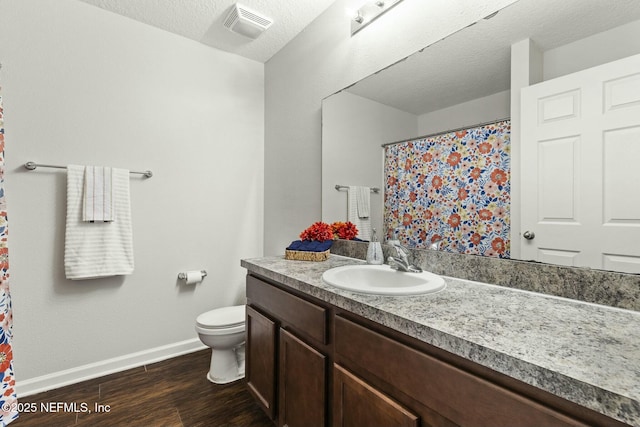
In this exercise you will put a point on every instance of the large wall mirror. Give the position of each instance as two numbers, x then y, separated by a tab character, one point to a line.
459	82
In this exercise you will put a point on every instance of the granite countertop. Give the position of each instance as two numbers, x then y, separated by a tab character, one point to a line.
586	353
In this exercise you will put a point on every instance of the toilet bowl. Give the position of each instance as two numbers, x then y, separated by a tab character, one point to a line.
222	329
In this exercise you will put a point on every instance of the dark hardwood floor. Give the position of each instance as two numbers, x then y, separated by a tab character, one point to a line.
173	392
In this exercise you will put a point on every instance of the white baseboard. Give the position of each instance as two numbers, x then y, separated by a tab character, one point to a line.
106	367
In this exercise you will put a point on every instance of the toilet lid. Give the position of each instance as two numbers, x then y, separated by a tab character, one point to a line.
222	317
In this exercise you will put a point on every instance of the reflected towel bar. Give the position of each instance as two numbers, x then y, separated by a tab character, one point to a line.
346	187
33	165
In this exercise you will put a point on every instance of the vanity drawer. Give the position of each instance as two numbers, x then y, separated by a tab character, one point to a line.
455	394
305	317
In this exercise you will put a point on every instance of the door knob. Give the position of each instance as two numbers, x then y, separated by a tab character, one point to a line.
529	235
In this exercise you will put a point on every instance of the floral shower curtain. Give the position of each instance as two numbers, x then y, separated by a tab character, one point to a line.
453	187
8	398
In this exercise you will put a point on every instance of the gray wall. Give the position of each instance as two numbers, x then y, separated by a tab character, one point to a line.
86	86
352	152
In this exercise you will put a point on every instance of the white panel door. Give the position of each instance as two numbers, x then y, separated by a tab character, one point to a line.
581	168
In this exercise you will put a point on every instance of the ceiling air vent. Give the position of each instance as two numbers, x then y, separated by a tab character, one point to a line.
246	21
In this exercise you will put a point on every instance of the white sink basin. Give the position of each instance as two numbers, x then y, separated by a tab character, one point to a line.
382	280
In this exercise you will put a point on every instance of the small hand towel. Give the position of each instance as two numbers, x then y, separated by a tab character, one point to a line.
362	200
362	224
97	202
104	248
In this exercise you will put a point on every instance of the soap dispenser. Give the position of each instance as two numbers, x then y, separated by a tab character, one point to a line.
374	251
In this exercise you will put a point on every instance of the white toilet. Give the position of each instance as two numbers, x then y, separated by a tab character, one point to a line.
222	329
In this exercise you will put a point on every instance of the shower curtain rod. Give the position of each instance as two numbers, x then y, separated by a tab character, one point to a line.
32	166
446	131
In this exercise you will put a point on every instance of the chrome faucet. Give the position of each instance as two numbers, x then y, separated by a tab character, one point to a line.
436	245
403	259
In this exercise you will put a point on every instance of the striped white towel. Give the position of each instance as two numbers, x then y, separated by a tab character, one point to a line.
362	224
97	204
363	202
104	248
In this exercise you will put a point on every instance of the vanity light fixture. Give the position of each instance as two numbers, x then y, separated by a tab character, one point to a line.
369	12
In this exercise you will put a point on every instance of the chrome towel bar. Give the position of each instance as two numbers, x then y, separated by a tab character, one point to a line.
33	165
346	187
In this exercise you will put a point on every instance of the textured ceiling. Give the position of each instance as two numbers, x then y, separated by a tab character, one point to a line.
475	61
201	20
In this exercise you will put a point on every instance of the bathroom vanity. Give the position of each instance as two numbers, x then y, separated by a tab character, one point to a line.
470	355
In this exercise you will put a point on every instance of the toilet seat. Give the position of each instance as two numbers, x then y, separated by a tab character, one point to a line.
222	318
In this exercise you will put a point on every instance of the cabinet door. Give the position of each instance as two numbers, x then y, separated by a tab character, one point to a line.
302	383
260	362
357	404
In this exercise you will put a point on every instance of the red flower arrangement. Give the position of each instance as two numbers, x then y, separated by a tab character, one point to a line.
319	231
344	230
322	231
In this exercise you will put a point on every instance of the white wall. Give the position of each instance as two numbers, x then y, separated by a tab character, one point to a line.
85	86
607	46
353	130
466	114
323	59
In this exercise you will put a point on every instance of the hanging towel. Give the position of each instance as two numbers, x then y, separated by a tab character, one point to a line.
97	204
104	248
363	224
362	201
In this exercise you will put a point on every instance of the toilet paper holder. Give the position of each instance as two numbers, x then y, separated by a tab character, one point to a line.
183	276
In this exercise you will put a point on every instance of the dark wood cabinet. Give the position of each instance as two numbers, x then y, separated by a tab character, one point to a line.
286	366
358	404
302	386
310	363
444	391
260	360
